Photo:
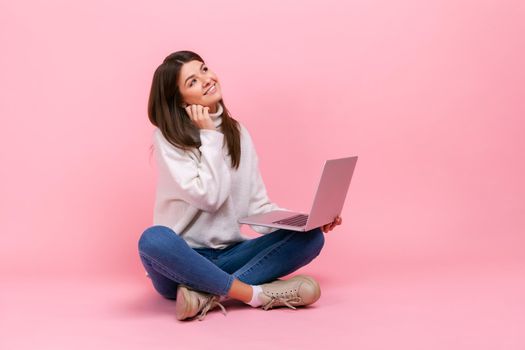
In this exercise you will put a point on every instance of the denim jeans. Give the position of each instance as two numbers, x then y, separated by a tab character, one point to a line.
169	260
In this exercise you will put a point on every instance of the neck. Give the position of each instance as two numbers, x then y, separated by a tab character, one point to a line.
217	116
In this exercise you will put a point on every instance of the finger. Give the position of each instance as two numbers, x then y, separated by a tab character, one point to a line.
188	110
200	112
194	115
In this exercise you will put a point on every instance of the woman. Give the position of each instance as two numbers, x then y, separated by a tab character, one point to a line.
208	179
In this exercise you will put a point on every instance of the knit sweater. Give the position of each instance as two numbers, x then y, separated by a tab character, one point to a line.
201	197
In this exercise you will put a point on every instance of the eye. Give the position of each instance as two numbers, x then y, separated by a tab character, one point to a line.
205	69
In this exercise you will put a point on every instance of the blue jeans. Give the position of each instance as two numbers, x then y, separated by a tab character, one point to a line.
169	260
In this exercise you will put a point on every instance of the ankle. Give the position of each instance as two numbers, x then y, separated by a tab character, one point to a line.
240	291
255	301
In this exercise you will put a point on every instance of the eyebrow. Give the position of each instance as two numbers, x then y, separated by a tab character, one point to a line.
191	76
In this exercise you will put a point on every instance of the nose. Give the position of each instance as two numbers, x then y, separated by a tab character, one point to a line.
207	82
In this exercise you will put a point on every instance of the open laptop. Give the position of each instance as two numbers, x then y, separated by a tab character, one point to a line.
328	201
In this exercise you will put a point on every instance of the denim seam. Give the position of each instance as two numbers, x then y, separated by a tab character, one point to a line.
179	279
163	268
266	256
228	285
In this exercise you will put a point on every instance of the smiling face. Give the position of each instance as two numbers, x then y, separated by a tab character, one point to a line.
199	85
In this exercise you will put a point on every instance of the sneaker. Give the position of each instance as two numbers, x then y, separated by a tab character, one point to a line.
296	291
190	302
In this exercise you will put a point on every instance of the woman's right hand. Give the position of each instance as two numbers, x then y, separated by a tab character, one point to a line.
200	116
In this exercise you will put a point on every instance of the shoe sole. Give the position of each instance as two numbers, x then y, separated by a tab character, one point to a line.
182	307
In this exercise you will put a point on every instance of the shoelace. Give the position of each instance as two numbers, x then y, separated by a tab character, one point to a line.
212	302
284	300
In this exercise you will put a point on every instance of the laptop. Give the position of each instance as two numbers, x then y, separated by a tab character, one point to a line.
327	205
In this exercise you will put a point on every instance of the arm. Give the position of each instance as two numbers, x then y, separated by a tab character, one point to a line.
205	184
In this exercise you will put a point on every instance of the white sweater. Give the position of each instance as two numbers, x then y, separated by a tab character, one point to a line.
202	197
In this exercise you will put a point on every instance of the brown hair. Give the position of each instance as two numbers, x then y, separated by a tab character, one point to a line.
166	113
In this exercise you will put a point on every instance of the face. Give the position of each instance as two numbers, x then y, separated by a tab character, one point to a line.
199	85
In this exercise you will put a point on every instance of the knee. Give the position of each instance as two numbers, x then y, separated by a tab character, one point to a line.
154	237
318	239
315	241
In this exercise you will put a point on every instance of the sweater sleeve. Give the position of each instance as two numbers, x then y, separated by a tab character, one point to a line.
206	184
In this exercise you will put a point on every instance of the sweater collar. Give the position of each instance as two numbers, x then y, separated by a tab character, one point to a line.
217	116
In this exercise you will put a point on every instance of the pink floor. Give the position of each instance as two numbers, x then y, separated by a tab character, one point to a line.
475	305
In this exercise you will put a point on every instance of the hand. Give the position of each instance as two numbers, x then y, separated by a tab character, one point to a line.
329	227
200	116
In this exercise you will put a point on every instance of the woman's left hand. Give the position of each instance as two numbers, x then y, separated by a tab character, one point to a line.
329	227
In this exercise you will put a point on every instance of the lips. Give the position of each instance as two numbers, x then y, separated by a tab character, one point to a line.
212	89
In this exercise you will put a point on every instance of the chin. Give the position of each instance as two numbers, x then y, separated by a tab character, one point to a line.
212	102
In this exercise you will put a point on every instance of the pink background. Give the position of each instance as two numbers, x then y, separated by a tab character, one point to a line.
430	95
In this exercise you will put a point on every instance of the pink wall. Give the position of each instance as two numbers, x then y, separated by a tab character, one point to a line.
430	95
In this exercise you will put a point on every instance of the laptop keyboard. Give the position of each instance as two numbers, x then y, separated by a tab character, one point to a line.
297	220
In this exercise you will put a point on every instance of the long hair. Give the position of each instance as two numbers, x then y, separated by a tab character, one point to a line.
166	113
